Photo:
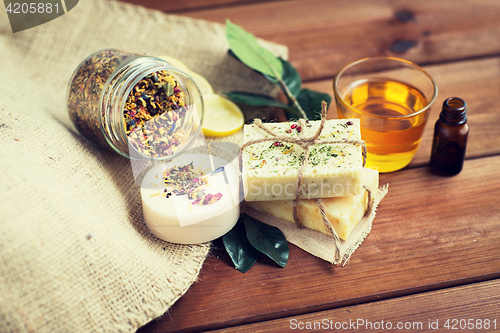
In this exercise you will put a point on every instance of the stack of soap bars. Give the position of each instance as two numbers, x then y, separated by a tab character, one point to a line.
334	172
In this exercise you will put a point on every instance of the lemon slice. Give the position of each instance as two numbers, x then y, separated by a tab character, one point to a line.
175	62
201	82
222	117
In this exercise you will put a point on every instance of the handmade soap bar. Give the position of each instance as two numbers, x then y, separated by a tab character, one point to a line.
191	199
344	213
270	169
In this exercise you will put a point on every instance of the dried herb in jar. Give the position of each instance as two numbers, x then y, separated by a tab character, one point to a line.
136	105
85	90
153	115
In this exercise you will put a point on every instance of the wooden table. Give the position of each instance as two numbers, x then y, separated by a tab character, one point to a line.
433	255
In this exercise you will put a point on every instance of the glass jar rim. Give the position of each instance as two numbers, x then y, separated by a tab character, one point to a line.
408	63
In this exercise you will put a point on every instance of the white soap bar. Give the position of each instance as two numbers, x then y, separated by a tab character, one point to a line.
184	220
270	169
344	213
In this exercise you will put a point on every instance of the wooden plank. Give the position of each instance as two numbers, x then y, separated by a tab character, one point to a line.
472	307
430	232
336	32
475	81
184	5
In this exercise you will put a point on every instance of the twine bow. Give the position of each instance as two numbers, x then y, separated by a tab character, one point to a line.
305	143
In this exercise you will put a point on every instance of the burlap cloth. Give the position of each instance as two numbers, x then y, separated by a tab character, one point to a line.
75	255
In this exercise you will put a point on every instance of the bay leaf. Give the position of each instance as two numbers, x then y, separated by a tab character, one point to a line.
267	239
258	100
291	77
310	101
241	252
245	47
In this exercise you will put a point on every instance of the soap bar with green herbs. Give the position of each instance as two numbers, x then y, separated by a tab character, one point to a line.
270	169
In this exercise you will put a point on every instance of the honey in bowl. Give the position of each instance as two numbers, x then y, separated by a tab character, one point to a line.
391	97
391	133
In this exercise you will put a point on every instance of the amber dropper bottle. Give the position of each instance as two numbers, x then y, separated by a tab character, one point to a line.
450	138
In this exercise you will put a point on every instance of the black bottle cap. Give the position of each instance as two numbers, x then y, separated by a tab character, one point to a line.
454	111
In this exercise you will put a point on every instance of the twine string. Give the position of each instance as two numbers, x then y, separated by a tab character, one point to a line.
305	143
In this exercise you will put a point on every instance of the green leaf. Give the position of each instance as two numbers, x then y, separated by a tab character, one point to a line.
267	239
291	77
310	101
241	252
244	46
258	100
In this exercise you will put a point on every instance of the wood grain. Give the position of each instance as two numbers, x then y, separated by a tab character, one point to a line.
430	232
433	249
324	35
473	306
184	5
475	81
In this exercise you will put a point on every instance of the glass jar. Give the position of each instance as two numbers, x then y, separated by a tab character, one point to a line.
139	106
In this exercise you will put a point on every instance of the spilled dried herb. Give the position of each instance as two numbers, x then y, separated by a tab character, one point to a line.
190	181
